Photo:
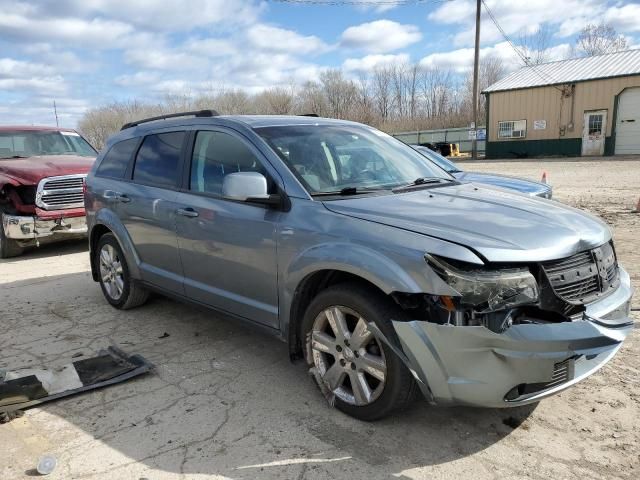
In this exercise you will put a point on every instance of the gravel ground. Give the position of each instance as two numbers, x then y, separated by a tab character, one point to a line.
225	402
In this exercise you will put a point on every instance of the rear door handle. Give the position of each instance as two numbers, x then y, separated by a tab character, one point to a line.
187	212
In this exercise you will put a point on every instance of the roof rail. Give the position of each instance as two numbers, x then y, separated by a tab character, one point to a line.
309	115
196	113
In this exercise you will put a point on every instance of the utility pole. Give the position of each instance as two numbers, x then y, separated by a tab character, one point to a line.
55	112
476	61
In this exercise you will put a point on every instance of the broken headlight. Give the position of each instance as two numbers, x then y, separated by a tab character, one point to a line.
487	290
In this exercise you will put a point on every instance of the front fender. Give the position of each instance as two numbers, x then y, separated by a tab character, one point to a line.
407	274
107	218
359	260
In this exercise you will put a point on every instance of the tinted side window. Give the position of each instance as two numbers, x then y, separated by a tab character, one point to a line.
217	154
158	158
115	162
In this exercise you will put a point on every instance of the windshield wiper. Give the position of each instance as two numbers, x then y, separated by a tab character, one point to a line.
14	156
422	181
348	191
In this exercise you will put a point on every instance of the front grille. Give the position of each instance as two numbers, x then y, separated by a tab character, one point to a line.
56	193
585	276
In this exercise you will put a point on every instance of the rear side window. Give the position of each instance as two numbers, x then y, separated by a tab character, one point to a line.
115	162
158	158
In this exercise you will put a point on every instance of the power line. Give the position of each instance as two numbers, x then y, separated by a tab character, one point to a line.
361	2
544	76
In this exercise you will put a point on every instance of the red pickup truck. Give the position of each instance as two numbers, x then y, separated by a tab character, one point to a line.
42	171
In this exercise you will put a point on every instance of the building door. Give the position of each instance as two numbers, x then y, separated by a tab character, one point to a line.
628	122
593	133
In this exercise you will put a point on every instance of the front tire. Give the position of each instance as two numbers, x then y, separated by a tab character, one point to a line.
366	378
8	247
120	290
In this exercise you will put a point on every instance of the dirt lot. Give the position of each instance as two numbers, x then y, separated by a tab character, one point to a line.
225	402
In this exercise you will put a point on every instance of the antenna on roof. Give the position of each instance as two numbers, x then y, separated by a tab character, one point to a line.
55	112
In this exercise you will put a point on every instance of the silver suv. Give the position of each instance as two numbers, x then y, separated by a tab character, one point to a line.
378	268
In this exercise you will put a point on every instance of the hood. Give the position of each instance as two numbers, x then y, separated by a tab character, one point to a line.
499	225
29	171
519	184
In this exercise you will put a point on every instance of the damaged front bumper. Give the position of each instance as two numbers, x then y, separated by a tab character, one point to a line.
34	228
472	365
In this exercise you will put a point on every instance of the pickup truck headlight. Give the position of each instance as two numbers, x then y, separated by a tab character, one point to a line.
488	290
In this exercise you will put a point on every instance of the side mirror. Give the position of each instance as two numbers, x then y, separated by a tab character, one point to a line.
245	186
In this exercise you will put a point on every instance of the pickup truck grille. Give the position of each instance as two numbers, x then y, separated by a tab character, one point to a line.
57	193
585	276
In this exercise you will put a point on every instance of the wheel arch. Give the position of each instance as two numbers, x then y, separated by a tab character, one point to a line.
323	266
107	222
306	291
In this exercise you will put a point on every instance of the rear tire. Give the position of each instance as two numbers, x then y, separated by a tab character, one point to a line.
8	247
120	290
356	357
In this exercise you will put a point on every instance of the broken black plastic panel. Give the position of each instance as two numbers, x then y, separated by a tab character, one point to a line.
26	388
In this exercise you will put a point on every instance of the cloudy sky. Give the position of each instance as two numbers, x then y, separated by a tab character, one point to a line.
91	52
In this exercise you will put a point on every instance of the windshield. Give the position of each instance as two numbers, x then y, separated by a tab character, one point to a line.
29	143
331	158
438	159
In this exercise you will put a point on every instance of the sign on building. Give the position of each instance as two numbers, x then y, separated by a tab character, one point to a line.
539	124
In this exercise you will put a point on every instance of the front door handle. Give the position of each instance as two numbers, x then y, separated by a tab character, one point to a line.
187	212
120	197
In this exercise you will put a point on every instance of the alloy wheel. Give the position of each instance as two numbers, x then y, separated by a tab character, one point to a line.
348	357
111	272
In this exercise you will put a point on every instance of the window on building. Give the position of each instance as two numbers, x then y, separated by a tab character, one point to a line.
512	129
158	158
595	124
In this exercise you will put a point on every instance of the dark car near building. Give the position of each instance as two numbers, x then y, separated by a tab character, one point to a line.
521	185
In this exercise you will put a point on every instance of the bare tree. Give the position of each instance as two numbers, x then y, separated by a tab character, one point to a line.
310	99
436	91
382	91
274	101
233	102
599	39
491	70
393	97
535	46
364	108
340	93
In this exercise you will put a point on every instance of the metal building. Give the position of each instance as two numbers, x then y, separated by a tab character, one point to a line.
582	106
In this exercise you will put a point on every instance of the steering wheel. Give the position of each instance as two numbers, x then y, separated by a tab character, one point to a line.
367	174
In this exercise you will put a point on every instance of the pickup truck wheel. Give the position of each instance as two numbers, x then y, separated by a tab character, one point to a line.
8	247
118	287
366	379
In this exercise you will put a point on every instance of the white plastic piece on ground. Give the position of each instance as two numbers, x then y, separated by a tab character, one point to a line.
53	381
46	464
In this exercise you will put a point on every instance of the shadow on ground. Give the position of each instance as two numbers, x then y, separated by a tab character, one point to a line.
224	399
50	250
